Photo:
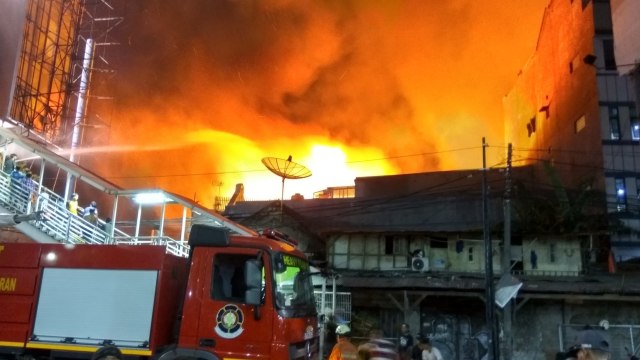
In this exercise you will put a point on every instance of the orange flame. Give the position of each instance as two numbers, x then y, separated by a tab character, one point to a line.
349	88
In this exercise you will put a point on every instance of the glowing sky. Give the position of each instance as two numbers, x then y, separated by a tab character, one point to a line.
206	89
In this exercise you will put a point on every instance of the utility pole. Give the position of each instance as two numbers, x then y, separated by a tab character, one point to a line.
506	258
494	349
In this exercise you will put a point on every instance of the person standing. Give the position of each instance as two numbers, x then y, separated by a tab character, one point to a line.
91	217
329	334
344	349
427	351
92	205
28	192
405	342
42	201
380	348
108	227
364	352
72	204
9	163
17	175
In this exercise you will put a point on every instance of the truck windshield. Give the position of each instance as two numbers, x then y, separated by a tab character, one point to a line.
293	286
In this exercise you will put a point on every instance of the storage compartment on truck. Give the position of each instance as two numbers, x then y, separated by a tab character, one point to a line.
91	306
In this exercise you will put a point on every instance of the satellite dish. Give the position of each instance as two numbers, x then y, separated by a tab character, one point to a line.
286	169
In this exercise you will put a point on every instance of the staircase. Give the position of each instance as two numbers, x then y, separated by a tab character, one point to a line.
62	226
59	225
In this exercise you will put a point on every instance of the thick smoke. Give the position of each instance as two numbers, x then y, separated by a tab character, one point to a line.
221	84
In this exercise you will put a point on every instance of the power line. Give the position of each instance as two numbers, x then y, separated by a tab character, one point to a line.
497	165
413	155
263	170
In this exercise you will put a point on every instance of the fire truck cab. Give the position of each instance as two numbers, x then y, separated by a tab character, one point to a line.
235	297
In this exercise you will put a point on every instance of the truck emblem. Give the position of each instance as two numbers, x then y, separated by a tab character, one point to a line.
308	332
229	322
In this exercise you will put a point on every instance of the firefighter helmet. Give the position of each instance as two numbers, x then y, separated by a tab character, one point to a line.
342	329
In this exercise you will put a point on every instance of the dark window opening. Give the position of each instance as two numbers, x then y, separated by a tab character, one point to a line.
517	266
516	240
609	55
531	126
228	277
439	244
614	122
388	245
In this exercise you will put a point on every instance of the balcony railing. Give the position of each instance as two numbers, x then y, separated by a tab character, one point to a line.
65	227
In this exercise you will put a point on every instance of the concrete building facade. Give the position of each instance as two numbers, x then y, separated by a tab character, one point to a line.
571	119
371	243
572	109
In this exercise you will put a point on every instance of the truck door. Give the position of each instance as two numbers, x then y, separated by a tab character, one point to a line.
229	326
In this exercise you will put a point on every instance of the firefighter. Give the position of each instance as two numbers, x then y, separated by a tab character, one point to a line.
589	345
344	349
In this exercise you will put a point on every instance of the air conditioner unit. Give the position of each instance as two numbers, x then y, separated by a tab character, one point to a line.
419	264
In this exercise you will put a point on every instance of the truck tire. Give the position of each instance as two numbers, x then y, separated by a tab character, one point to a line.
187	354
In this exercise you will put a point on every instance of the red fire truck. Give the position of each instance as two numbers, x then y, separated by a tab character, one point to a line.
235	297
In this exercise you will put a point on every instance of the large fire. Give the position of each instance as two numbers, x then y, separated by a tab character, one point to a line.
206	89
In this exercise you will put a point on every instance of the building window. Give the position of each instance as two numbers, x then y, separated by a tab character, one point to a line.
470	253
552	252
621	195
635	124
635	129
228	277
395	245
614	122
388	245
609	57
400	246
436	243
581	123
531	126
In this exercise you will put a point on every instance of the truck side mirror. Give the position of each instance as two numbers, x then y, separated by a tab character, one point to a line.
253	281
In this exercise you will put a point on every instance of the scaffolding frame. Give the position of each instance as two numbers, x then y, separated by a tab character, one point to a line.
49	72
43	75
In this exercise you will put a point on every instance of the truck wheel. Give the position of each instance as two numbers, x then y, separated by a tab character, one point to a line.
187	354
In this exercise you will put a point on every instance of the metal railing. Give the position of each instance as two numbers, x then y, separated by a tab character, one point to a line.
65	227
172	246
